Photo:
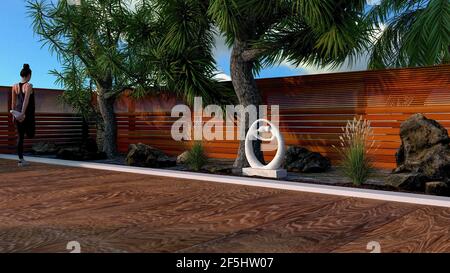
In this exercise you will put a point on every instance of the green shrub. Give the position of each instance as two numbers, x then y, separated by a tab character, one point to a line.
196	157
356	144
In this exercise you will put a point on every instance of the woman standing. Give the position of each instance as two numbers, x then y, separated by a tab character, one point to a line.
24	118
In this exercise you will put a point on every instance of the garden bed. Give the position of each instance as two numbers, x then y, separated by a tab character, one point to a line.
333	177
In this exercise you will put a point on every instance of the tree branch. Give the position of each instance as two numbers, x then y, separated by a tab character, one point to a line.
252	54
44	32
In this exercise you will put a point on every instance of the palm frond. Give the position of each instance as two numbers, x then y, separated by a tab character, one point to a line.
413	33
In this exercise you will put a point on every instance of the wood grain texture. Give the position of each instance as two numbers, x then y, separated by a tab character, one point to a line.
320	230
424	230
43	207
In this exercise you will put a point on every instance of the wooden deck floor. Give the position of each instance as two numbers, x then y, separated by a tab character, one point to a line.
42	207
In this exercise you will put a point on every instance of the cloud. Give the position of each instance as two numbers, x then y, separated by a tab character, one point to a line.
222	77
359	64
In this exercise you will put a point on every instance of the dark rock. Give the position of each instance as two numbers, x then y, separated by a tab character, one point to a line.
83	152
70	153
78	154
182	158
407	181
424	149
437	188
419	133
90	145
423	156
299	159
433	161
101	156
400	156
142	155
44	148
217	169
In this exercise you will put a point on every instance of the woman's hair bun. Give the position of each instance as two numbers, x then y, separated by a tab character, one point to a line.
26	71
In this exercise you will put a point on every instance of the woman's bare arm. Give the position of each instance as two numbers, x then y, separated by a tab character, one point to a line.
28	90
13	97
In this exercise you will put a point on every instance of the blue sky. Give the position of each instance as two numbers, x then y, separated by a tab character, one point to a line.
20	45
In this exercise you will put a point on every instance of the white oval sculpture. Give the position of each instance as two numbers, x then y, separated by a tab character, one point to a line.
253	134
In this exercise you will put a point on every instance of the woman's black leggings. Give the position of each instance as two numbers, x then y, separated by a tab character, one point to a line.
20	138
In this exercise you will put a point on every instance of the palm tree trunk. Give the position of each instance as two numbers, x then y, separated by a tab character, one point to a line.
106	108
84	130
248	94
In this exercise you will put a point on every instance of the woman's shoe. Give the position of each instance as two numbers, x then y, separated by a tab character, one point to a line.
23	163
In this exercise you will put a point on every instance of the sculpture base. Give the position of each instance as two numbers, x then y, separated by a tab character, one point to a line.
278	174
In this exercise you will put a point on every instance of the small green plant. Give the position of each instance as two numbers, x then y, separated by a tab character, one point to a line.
356	144
196	157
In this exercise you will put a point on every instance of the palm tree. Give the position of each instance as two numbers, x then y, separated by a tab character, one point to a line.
413	33
89	41
263	33
114	45
179	48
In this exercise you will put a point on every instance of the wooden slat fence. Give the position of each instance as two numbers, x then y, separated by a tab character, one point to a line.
312	111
